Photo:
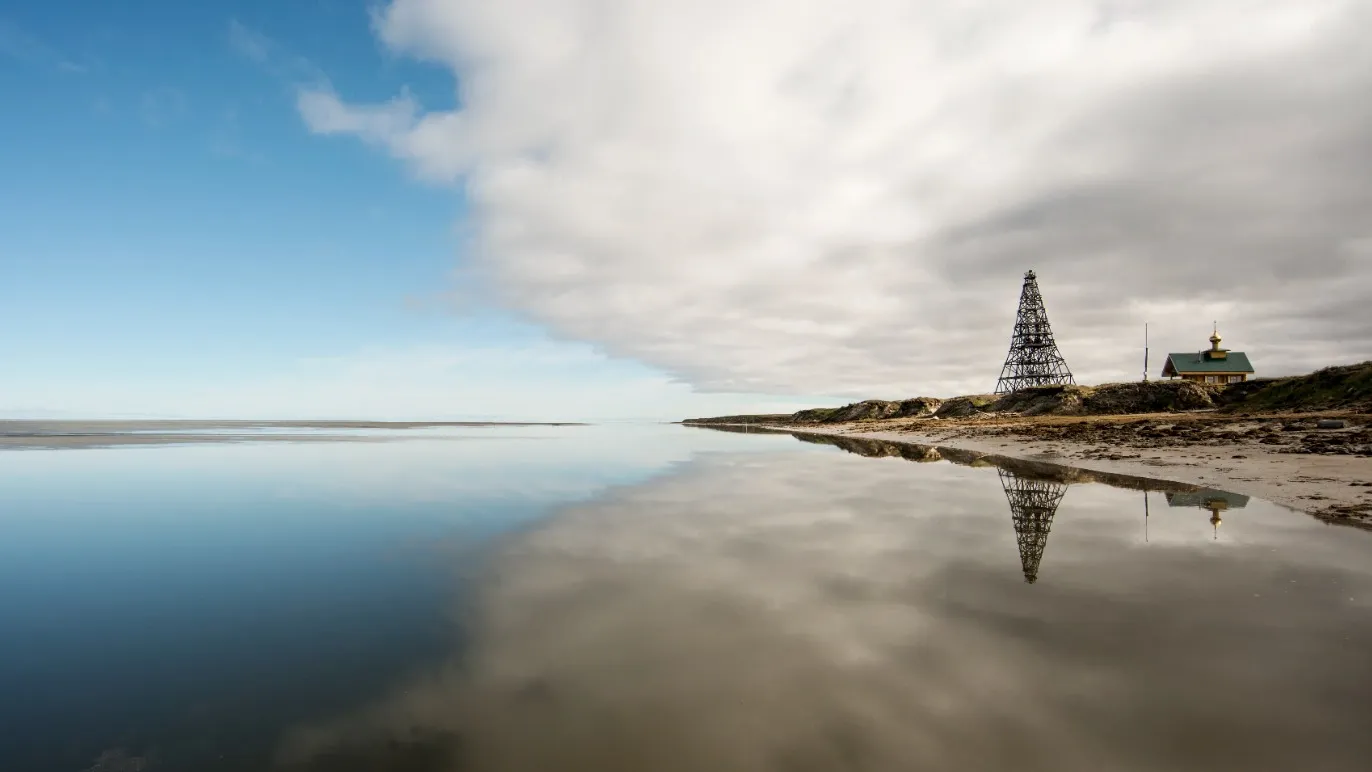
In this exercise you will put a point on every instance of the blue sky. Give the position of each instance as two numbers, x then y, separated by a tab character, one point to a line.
176	242
266	208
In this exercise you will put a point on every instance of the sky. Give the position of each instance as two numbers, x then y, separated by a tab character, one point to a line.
599	209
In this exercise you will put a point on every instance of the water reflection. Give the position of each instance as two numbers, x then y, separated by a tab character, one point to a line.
1035	489
1033	502
1023	468
176	607
813	611
1208	499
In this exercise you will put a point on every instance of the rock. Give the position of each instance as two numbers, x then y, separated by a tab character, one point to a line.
1044	400
1331	423
869	410
962	407
1148	397
1106	399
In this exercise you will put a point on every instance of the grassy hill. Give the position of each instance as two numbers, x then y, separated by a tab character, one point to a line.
1346	388
1334	388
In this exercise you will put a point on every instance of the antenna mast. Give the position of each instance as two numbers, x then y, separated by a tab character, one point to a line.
1145	352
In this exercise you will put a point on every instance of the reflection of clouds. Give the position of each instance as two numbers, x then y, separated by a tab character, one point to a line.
546	464
536	463
816	612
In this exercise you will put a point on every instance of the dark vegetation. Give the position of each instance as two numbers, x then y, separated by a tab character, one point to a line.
1114	439
1333	388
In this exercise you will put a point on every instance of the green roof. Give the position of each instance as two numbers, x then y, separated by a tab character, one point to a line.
1236	362
1203	499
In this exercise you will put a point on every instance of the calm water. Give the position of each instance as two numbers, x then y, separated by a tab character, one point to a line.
661	599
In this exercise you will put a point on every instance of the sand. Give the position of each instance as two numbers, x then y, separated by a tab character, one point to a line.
1324	485
54	434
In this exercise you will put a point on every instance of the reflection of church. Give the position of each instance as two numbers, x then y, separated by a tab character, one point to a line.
1035	489
1215	501
1034	502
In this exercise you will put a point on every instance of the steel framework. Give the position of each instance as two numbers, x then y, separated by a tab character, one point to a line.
1032	506
1034	359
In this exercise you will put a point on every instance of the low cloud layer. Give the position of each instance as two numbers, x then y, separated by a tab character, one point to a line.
815	196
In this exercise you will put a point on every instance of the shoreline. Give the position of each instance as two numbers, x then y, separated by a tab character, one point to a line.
41	425
51	434
1333	488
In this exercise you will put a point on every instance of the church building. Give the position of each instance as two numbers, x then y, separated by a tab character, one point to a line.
1217	365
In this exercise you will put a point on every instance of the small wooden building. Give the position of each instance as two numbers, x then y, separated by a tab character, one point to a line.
1217	365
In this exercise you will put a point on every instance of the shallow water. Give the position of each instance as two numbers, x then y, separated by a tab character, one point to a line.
662	598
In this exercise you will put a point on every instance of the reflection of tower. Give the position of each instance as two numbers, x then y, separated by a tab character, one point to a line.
1034	359
1032	505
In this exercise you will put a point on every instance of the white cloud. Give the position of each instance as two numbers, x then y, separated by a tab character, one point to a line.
257	47
249	42
839	196
513	380
25	47
379	123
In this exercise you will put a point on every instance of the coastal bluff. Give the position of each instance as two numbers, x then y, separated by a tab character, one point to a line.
1345	388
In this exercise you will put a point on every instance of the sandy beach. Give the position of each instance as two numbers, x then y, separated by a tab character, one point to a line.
1234	454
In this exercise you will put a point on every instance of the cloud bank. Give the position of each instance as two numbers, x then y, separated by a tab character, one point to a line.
839	196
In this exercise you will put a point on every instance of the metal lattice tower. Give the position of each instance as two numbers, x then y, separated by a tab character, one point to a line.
1034	359
1032	506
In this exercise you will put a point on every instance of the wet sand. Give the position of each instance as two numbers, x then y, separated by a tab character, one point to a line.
1241	455
48	434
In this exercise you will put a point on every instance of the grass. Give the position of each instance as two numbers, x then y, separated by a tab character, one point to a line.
1330	388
